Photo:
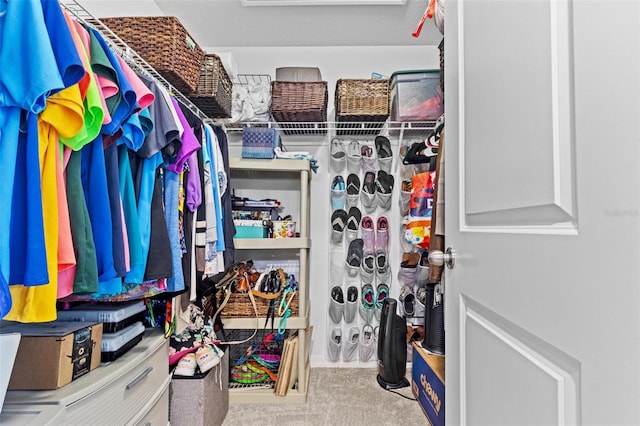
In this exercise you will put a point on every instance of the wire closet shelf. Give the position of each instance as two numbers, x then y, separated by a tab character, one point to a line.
133	59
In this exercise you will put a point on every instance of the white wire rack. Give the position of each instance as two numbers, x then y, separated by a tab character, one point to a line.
135	61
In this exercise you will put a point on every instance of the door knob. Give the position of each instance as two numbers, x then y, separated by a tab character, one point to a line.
438	258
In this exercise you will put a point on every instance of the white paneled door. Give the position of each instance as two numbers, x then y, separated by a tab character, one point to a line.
543	210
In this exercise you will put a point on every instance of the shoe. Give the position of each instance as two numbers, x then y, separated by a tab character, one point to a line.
369	157
367	303
381	295
353	223
353	190
368	193
420	153
385	156
186	366
338	193
422	269
367	267
334	344
368	344
405	197
382	233
353	157
338	156
383	270
351	304
354	257
410	260
368	234
384	189
350	347
338	224
207	357
336	305
407	300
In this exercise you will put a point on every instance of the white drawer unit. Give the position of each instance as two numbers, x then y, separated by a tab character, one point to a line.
126	391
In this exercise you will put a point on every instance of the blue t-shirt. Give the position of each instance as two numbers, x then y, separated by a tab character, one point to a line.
146	177
28	251
29	74
94	184
64	49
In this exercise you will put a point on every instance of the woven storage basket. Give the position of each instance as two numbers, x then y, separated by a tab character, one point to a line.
239	306
300	102
165	44
213	95
362	101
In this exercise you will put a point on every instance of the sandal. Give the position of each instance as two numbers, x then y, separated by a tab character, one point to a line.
354	257
338	224
337	192
368	193
384	189
385	156
353	223
353	190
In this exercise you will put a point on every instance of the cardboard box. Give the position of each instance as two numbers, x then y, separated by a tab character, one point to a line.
427	376
53	354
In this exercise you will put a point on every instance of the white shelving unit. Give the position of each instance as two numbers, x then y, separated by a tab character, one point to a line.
287	169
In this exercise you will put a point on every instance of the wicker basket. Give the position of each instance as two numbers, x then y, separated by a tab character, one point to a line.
363	101
213	95
239	306
165	44
300	102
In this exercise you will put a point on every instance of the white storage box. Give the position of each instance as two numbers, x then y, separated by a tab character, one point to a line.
114	316
114	345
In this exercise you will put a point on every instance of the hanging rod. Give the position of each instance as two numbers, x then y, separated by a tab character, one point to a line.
130	56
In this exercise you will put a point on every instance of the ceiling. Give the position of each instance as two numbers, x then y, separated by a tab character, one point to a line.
229	23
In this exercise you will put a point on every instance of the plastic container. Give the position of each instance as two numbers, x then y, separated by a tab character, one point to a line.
415	96
114	345
114	316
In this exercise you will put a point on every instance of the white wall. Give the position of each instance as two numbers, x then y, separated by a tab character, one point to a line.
334	63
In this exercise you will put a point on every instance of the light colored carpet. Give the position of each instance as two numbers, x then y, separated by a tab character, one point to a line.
337	396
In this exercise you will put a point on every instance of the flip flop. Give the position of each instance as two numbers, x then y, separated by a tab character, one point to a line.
353	223
354	256
338	224
385	155
353	190
337	192
384	189
368	193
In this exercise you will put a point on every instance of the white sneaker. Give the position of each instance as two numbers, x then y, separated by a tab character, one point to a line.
350	347
338	155
354	157
186	366
334	344
368	343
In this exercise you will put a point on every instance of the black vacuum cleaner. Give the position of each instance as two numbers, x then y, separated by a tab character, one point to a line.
392	348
